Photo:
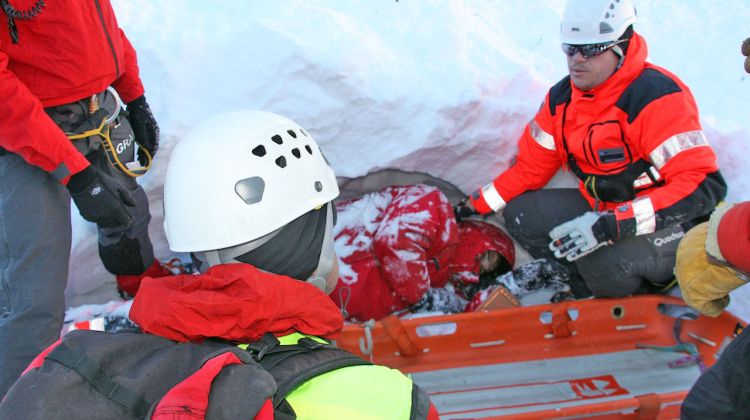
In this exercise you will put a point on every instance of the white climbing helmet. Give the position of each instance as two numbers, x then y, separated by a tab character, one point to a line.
596	21
238	177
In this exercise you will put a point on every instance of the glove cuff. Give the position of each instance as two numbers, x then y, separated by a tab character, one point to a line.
138	102
82	180
607	223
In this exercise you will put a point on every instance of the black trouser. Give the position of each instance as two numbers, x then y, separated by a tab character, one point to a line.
723	392
628	266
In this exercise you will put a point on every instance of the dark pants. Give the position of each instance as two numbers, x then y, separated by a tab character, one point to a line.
35	242
632	265
723	392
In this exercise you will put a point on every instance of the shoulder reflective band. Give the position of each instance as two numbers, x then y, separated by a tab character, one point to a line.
492	197
675	145
645	217
542	137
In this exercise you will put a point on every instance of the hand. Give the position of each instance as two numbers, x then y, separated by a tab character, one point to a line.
101	199
746	53
145	129
582	235
463	210
703	285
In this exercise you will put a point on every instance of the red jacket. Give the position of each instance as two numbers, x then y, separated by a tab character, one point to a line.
642	113
235	302
69	51
396	244
393	246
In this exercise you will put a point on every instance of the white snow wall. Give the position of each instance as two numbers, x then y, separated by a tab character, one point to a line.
443	87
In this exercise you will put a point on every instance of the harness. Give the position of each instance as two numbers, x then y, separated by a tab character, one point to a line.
290	365
293	364
616	188
100	123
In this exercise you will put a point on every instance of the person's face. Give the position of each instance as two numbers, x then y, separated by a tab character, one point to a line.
588	73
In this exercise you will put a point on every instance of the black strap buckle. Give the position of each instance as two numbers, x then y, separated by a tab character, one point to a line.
259	348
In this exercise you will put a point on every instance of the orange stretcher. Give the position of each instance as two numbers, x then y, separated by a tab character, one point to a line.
635	357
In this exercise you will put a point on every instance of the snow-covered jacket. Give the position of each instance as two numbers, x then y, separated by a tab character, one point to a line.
67	52
396	244
393	246
635	142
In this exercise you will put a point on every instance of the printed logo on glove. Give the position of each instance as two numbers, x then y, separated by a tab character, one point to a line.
145	129
583	235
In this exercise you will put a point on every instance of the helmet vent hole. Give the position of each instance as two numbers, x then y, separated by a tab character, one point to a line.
259	151
308	148
277	139
292	133
303	132
296	153
281	162
318	186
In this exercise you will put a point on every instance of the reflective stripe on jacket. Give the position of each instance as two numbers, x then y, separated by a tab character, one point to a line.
641	113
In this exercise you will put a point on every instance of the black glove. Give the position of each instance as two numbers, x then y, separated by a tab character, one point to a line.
746	53
463	210
101	199
144	126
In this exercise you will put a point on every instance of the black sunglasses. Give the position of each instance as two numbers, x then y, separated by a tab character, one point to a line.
589	50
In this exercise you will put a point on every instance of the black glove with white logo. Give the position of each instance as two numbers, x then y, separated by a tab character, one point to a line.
101	199
145	129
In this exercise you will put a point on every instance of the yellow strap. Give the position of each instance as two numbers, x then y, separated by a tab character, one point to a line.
93	132
103	131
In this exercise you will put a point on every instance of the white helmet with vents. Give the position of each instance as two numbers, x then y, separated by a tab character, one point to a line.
240	176
596	21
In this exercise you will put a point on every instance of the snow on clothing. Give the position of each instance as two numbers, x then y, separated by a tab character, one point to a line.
240	303
539	275
68	52
396	244
641	115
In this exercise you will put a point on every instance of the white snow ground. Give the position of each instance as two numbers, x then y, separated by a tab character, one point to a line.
443	87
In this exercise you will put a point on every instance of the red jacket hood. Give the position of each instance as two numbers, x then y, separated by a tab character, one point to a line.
475	238
235	302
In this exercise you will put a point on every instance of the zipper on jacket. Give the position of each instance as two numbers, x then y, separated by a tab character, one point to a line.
109	39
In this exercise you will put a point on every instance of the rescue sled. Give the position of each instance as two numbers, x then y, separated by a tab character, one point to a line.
635	357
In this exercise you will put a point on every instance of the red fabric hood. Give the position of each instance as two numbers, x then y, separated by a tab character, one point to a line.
235	302
475	238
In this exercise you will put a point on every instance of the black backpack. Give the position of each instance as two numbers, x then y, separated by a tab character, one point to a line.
100	375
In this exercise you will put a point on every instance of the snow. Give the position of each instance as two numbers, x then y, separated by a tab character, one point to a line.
443	87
